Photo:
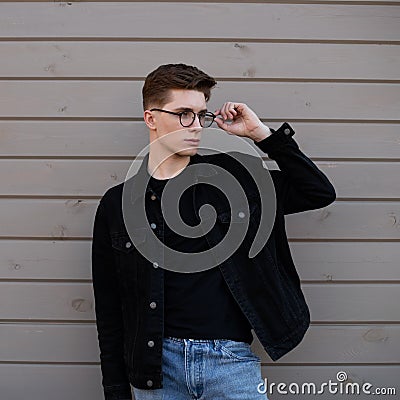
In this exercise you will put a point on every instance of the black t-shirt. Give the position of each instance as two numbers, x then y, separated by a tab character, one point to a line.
197	305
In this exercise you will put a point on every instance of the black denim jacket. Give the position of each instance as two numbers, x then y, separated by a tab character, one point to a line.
128	288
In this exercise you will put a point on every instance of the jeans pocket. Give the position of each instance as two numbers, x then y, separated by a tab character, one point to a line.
238	350
147	394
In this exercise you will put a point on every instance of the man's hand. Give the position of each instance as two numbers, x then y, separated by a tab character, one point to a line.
245	121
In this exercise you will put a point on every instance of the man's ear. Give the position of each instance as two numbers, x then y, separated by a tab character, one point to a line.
149	119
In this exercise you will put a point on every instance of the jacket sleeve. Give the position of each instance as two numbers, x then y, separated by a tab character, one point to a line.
302	186
108	311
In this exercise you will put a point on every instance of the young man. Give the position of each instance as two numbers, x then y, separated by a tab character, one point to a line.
179	336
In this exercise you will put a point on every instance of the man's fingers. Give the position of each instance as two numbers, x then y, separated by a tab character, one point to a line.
235	109
221	124
219	121
224	111
230	110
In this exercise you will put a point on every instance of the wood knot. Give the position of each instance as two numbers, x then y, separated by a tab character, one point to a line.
81	305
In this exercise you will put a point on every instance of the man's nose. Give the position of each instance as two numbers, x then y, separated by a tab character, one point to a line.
195	127
196	123
195	131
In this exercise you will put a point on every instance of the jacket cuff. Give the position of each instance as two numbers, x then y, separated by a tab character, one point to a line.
277	138
118	392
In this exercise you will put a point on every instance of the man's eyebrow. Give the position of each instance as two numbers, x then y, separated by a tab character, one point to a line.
188	109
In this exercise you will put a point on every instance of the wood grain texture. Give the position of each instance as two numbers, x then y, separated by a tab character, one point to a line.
121	99
73	218
70	260
111	139
242	60
74	301
52	177
218	20
74	342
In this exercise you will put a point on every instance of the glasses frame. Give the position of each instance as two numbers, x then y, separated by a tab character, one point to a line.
180	113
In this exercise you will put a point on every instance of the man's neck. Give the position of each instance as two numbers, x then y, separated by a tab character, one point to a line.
161	166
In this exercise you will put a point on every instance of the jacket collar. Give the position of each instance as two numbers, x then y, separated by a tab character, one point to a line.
140	179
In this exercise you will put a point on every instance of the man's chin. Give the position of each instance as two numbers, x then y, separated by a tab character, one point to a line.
187	152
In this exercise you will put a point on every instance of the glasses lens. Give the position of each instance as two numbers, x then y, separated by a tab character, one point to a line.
187	118
206	120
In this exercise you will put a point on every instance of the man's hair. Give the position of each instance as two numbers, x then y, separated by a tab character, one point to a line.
159	83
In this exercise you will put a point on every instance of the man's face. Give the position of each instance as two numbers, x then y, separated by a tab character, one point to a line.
174	137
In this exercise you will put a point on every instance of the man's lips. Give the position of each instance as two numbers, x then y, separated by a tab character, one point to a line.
192	140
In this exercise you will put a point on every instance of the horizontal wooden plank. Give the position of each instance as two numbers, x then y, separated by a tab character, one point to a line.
342	344
61	382
315	261
362	179
343	141
223	20
50	301
347	261
76	138
280	100
123	139
49	343
347	220
52	380
92	178
251	60
42	259
47	218
71	343
352	302
73	218
74	301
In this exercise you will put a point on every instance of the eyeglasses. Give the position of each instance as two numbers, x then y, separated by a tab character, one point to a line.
187	117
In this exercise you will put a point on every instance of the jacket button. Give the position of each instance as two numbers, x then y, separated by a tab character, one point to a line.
286	131
153	225
153	197
153	305
128	244
241	214
149	383
155	264
150	343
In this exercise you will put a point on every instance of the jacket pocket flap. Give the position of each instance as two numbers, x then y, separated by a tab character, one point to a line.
239	216
122	241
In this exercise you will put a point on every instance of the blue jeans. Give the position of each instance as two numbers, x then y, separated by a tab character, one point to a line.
217	369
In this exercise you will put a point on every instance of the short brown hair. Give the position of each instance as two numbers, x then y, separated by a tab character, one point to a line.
158	83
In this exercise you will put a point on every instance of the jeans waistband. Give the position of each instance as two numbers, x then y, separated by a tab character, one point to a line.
182	340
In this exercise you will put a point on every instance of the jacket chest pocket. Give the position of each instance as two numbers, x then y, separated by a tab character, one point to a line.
123	244
238	219
127	256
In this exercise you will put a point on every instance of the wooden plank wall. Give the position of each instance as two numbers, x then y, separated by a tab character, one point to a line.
70	125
